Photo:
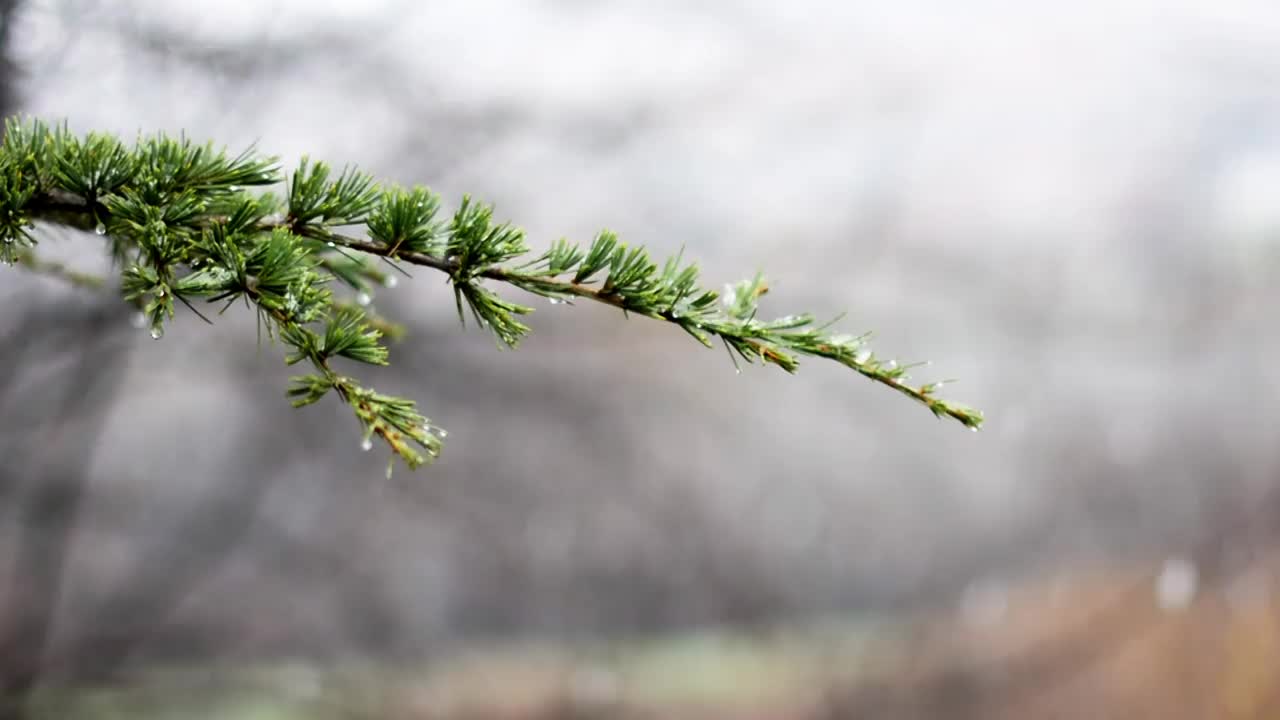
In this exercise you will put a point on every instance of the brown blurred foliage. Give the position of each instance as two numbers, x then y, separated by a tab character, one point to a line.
1096	646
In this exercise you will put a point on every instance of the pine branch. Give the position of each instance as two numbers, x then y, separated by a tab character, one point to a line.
181	224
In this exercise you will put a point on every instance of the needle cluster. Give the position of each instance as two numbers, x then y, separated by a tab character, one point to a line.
187	223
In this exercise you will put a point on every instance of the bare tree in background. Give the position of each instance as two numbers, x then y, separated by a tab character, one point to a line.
52	418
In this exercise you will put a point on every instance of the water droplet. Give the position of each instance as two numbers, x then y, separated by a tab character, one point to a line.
891	365
100	229
157	332
442	433
1176	586
973	428
138	320
366	444
738	370
390	467
862	356
364	299
331	244
234	188
390	281
553	301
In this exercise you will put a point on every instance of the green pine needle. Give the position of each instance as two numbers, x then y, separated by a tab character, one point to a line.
182	225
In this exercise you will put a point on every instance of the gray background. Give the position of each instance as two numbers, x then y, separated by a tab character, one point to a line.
1070	208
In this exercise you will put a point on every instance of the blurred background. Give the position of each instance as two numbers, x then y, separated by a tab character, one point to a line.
1070	208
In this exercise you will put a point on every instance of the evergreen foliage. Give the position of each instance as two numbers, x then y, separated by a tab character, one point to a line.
186	222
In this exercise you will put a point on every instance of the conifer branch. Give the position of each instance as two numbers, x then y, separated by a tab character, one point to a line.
181	224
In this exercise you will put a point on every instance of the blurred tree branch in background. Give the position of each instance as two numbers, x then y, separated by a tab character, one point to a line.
44	478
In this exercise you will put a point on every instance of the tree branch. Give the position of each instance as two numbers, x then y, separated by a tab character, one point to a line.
182	223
